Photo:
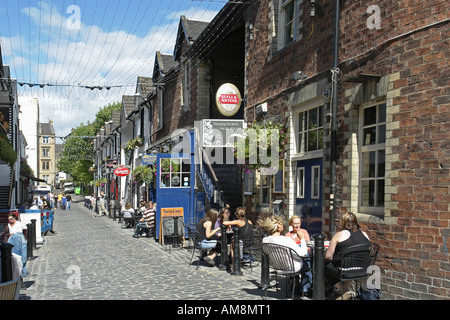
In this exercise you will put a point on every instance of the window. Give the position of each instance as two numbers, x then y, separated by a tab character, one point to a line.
315	182
310	130
45	165
372	158
186	85
160	108
46	152
288	26
265	188
301	182
175	173
45	140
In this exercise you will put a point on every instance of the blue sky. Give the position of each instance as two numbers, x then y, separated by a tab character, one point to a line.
71	44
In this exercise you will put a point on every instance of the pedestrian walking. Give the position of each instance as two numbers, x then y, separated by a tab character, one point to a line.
68	200
64	202
102	205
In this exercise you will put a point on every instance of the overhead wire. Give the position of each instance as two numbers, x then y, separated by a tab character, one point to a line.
57	49
119	55
70	90
144	51
96	39
85	45
76	42
117	33
148	43
48	42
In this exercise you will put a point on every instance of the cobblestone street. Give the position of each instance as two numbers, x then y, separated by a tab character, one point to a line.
112	265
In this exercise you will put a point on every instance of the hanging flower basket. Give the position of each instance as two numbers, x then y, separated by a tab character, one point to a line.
133	143
100	182
143	174
261	138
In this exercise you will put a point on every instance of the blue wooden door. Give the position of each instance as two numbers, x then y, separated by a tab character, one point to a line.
174	184
308	204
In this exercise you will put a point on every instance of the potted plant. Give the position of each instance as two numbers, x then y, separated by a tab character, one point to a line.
133	143
143	174
262	134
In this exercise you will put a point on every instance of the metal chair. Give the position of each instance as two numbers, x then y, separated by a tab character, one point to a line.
198	246
374	248
353	263
10	290
173	233
281	258
191	226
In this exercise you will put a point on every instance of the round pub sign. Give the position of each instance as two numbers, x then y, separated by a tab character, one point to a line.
228	99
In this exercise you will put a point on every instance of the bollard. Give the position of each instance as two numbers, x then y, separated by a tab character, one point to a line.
319	273
236	254
33	222
223	251
29	241
114	214
5	249
265	271
175	243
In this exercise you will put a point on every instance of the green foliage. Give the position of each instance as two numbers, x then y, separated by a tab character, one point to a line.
7	152
77	156
143	174
25	167
259	140
131	144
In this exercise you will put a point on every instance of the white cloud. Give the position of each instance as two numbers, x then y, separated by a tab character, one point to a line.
88	56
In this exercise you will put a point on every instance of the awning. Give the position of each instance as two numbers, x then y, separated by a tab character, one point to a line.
31	177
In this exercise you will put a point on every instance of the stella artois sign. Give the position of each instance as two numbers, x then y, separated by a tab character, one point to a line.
122	171
228	99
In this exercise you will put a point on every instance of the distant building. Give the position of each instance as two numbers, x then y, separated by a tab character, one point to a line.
28	123
47	152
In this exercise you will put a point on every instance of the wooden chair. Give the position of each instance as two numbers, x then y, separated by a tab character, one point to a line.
10	290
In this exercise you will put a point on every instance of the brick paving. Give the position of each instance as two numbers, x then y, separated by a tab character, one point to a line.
112	265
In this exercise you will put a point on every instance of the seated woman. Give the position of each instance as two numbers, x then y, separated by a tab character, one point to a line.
17	239
245	230
205	235
128	215
274	226
296	223
224	215
351	235
297	234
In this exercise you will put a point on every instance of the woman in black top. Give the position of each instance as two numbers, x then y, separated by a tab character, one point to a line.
205	235
351	235
245	230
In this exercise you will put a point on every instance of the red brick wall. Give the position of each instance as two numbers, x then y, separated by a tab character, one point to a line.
414	255
414	240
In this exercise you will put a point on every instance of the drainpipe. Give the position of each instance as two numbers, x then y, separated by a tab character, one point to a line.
334	119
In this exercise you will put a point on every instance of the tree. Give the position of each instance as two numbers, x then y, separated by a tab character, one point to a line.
77	156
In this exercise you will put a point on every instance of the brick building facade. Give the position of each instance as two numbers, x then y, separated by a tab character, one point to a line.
392	122
383	85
